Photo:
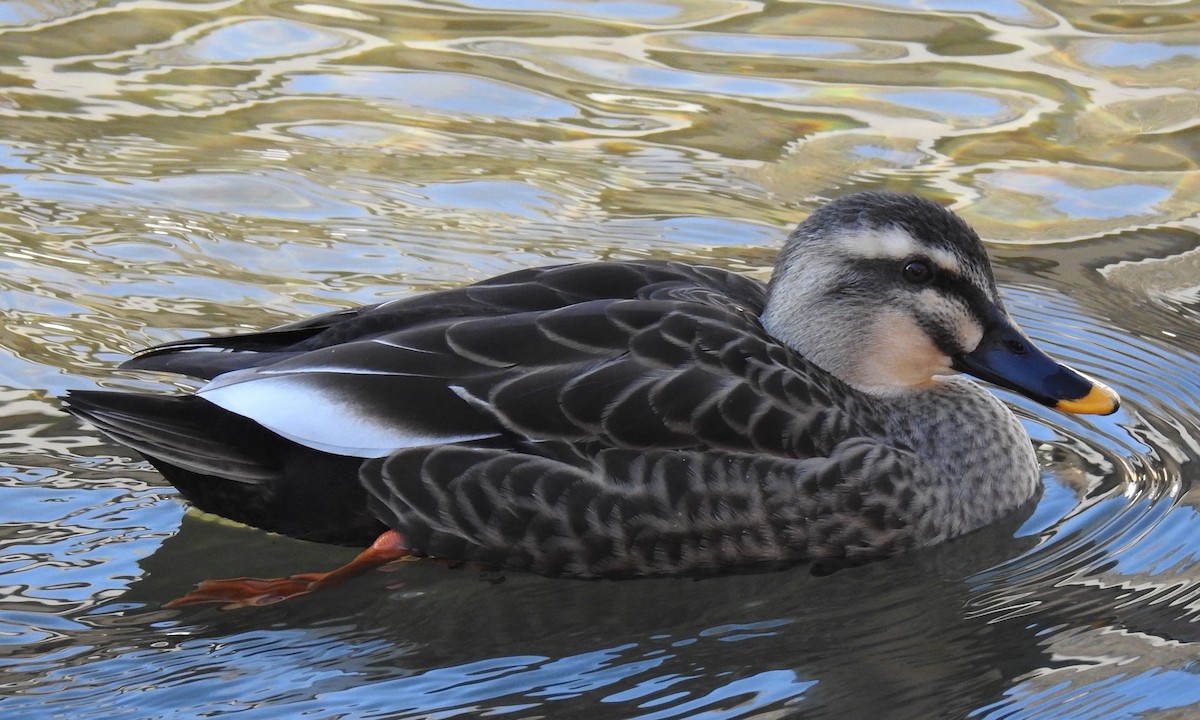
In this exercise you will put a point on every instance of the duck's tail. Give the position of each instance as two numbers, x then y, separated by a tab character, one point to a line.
180	431
233	467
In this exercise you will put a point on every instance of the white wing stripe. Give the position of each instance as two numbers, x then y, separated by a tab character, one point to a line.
313	416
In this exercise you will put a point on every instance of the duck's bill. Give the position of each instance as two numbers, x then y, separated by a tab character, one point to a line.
1007	358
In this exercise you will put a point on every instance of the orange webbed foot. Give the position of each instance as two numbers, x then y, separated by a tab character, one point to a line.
242	592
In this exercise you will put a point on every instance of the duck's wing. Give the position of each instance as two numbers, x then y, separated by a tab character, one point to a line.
636	373
656	512
531	290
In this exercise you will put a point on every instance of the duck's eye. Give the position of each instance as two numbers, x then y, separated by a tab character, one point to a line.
918	272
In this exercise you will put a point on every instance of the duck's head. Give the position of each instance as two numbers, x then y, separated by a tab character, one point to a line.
887	291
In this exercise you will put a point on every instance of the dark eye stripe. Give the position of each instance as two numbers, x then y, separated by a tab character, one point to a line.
945	280
943	277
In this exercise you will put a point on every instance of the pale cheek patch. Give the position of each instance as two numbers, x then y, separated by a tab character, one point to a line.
900	353
969	332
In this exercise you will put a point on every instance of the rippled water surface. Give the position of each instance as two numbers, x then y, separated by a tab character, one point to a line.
170	167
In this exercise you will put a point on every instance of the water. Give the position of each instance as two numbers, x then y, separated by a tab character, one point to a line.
170	168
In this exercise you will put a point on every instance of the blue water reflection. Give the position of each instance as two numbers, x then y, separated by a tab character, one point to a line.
1123	53
1131	695
1008	10
449	93
1116	201
263	193
312	672
254	41
951	103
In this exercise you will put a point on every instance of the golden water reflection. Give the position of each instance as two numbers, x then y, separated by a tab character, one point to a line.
169	167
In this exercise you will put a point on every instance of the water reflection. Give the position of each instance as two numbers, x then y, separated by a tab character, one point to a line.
173	168
668	649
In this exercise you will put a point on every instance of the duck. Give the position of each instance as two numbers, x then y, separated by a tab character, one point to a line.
623	419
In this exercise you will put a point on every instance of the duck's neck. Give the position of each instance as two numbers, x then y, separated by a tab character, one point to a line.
981	460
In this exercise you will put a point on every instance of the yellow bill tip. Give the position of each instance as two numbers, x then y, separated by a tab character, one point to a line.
1100	400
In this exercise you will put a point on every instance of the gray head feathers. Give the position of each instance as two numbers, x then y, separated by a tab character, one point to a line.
891	287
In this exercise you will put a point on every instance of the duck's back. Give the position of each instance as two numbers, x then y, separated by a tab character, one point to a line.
622	355
522	291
